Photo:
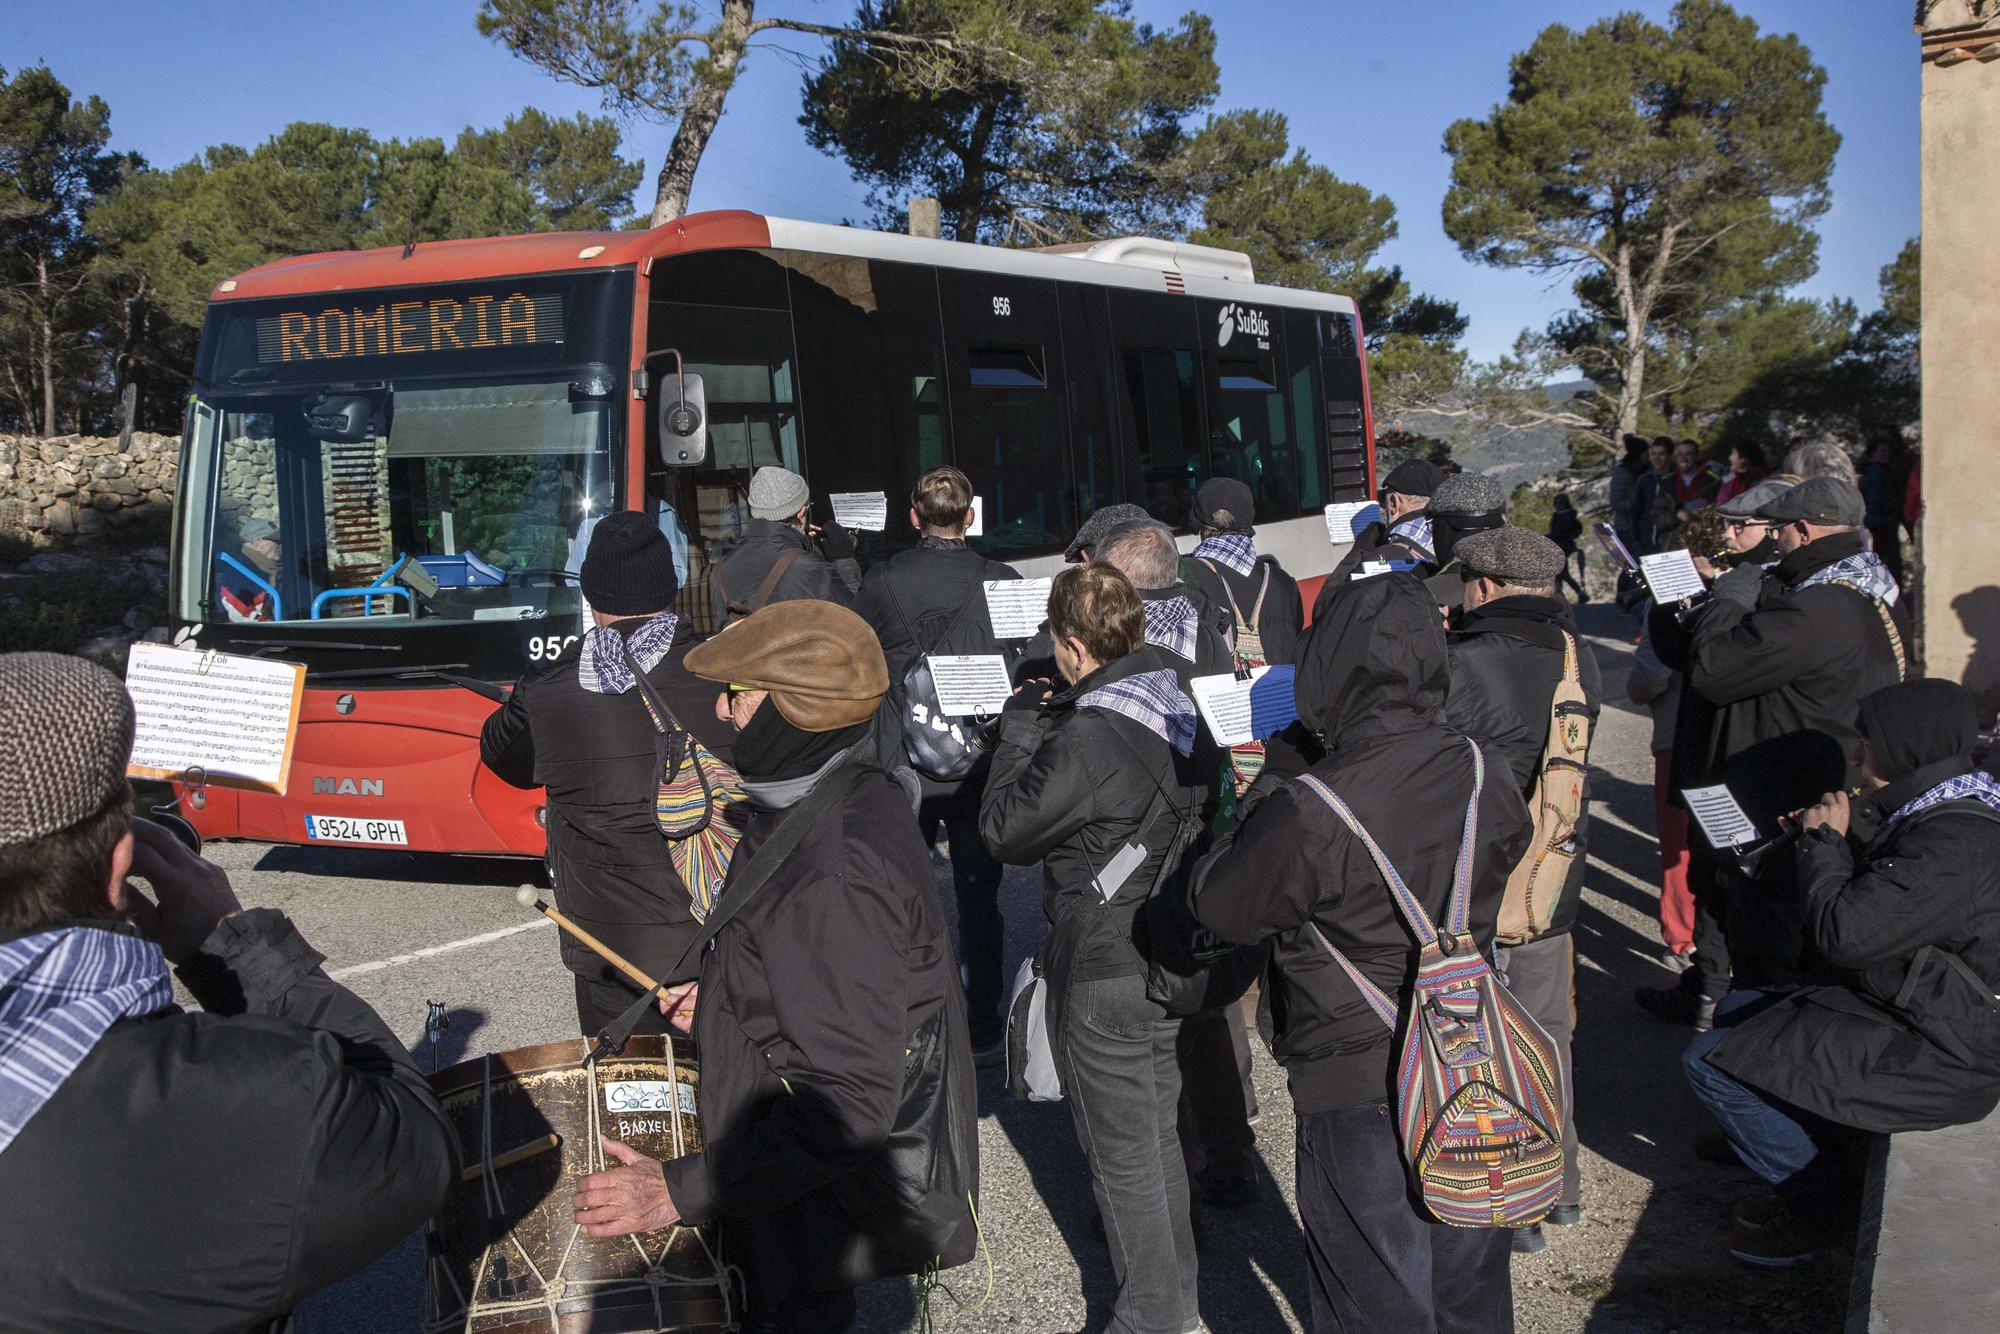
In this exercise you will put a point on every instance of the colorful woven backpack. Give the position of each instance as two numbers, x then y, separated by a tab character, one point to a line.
696	800
1478	1091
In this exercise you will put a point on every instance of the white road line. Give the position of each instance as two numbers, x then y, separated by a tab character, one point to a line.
431	951
1606	814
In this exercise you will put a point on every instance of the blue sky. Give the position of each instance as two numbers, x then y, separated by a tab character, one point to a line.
1369	88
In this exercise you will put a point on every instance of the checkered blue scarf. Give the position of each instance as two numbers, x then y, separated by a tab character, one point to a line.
1863	570
1416	532
602	669
1152	699
1235	550
1979	785
1170	624
60	991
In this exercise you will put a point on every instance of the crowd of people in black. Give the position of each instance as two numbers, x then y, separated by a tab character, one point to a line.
1383	889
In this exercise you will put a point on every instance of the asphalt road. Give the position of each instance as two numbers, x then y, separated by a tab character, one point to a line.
404	929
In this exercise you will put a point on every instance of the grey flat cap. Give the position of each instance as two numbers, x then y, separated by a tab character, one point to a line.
1468	493
1511	555
1827	500
1746	505
777	493
1098	527
65	738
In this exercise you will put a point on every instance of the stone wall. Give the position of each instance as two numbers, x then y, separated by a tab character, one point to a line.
75	490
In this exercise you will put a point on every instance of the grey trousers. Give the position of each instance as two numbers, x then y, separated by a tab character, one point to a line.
1542	976
1121	1076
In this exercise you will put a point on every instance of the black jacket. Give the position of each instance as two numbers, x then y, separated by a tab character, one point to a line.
1506	659
912	600
1283	613
1849	1051
208	1170
810	575
594	755
1069	789
1373	683
1774	658
1371	543
808	999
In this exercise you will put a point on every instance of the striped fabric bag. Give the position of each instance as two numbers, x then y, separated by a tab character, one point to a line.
1478	1090
695	801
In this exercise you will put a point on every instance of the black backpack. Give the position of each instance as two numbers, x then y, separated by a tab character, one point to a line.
939	748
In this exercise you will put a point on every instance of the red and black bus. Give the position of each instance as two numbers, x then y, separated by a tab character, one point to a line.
393	458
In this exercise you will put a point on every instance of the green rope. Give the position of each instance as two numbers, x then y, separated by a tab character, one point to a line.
931	1280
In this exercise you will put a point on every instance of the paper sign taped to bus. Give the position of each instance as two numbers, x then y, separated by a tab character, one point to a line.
867	511
229	720
969	683
1016	608
1345	521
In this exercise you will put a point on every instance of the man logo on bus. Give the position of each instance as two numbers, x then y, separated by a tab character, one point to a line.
346	787
1234	317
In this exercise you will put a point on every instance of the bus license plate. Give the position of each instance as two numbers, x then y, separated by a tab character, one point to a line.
347	829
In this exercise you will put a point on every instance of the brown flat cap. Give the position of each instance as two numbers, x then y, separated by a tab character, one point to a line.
821	663
65	739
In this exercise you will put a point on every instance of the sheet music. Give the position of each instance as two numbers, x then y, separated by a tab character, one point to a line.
1671	576
1016	608
234	718
1345	521
866	511
970	683
1720	817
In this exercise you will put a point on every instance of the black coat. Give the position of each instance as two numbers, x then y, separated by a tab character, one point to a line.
1373	684
1372	543
208	1170
809	576
1281	621
1506	660
1069	788
1848	1050
594	755
808	999
910	601
1774	658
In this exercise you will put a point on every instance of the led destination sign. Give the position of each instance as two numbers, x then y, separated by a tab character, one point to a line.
403	328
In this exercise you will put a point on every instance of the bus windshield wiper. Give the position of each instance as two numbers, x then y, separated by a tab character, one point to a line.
443	671
260	647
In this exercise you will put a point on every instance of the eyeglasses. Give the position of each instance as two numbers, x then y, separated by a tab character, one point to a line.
1740	524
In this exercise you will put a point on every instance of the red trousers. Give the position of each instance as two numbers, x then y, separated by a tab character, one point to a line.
1676	900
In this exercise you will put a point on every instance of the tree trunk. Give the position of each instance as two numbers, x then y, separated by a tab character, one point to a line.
972	179
48	357
704	109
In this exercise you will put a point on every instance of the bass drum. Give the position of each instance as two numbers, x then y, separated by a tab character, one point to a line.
505	1256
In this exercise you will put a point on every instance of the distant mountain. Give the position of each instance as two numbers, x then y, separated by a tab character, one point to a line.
1514	458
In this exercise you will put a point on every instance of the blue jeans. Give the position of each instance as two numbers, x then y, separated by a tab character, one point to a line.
1776	1140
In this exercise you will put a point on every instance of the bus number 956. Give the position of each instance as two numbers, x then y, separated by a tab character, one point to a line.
547	648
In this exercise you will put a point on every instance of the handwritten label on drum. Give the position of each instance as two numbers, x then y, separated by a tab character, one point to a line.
649	1095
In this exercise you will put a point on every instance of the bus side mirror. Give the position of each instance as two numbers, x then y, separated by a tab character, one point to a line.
683	421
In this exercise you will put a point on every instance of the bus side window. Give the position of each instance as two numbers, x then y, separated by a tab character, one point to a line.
1004	344
1159	398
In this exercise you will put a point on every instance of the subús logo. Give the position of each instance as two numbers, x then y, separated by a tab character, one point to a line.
1234	317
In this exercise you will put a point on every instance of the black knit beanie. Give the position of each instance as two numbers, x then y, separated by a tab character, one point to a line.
629	568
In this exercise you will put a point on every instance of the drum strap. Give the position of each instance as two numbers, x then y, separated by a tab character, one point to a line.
747	875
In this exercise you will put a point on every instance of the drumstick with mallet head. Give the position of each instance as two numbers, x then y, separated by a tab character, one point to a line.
527	898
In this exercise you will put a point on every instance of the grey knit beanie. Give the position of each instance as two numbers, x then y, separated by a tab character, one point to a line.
65	739
777	493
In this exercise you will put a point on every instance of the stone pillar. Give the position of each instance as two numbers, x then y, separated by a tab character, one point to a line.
1961	329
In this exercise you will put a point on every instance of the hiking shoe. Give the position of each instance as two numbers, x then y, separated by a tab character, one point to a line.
1529	1240
1783	1241
1565	1215
1754	1213
990	1052
1229	1192
1677	961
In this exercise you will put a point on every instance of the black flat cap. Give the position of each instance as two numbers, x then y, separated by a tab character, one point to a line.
1413	477
1098	527
1225	504
1827	500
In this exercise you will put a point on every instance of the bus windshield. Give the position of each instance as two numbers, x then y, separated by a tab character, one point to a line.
384	460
